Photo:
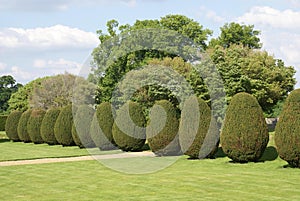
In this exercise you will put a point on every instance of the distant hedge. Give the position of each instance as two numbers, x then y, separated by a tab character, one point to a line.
47	127
34	125
162	131
22	127
128	131
81	127
101	127
2	122
198	130
287	131
11	125
245	133
63	127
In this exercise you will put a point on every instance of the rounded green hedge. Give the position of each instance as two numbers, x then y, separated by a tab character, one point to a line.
81	127
245	134
101	127
198	130
10	125
22	126
162	131
287	130
47	127
63	127
34	125
3	119
128	129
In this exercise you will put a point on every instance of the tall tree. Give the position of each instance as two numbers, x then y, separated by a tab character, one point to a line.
235	33
8	86
108	79
255	72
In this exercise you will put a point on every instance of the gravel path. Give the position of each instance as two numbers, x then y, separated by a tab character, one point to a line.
79	158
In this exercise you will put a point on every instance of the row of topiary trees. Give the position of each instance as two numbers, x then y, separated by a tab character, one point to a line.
244	135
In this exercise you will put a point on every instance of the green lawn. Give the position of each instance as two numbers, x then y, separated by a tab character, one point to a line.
211	179
19	151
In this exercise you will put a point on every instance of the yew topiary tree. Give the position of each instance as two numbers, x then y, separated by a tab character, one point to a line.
63	127
287	131
10	125
162	131
81	127
245	134
47	127
22	126
34	125
101	127
128	129
198	130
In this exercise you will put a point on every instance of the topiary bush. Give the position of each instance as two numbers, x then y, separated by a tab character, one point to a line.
198	130
3	122
81	127
162	131
10	125
22	126
63	127
47	127
34	125
245	134
128	129
287	130
101	127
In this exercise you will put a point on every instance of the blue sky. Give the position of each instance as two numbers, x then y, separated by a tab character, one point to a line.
47	37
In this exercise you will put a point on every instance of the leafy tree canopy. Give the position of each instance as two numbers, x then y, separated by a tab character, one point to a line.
8	86
235	33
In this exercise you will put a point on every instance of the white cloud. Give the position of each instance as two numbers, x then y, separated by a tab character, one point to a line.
48	38
57	66
18	73
272	17
2	66
211	15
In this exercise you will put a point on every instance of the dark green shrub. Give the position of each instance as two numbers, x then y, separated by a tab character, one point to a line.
47	128
2	122
101	127
128	128
81	127
198	130
245	134
287	130
11	125
162	132
22	127
63	127
34	125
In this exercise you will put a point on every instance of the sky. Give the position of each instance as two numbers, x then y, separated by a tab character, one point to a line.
48	37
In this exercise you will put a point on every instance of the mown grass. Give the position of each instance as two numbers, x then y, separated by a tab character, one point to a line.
21	151
210	179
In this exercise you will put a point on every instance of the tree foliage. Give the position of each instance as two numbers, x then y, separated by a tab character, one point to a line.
47	127
162	131
254	72
128	129
198	131
22	126
101	127
244	134
235	33
107	79
61	90
34	125
10	125
287	131
8	86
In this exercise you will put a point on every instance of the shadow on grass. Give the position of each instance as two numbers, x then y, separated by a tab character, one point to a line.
270	154
4	140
